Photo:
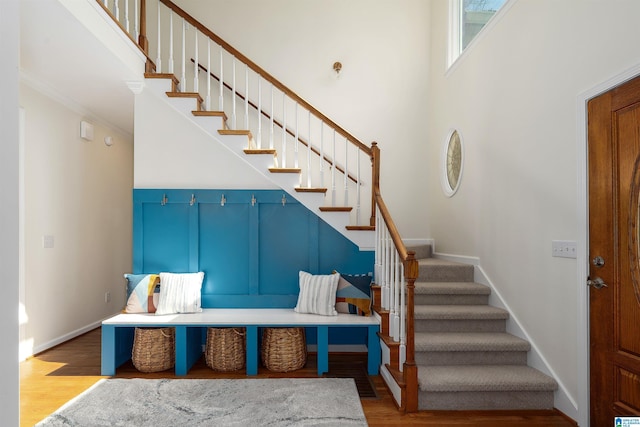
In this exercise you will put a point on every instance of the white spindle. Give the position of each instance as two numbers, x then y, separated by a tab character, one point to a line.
233	92
392	290
117	10
346	172
126	15
221	83
357	187
259	112
295	144
171	59
136	20
271	142
397	286
246	98
333	172
403	317
158	57
209	74
321	154
183	78
284	131
106	3
309	149
196	64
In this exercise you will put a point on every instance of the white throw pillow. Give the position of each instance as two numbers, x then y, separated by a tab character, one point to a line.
180	293
317	294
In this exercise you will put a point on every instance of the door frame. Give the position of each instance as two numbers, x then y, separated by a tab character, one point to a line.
583	235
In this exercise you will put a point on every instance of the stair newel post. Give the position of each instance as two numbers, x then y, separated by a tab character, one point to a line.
411	269
143	42
375	179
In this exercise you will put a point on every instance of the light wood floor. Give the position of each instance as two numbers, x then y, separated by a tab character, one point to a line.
51	378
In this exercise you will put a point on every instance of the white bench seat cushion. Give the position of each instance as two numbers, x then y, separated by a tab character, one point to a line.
317	294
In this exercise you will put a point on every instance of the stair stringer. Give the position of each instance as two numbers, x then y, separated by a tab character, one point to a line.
236	144
562	398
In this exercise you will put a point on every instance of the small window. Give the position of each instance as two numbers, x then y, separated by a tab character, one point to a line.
467	19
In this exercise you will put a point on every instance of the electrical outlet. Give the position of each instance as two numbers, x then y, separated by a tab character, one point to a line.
564	248
107	297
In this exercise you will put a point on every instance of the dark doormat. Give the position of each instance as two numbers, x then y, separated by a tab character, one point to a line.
356	370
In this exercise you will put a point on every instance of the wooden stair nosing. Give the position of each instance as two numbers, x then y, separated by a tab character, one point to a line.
361	227
285	170
259	151
310	190
195	95
397	375
241	132
201	113
336	208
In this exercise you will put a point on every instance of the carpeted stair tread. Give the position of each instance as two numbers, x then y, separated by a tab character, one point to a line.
469	341
451	288
440	270
459	312
485	378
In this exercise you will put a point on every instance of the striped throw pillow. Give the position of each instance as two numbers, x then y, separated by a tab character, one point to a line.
317	294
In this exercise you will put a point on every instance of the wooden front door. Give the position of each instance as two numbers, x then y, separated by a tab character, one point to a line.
614	239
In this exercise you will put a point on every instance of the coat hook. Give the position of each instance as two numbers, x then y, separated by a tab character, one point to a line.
284	200
164	200
253	200
223	200
193	200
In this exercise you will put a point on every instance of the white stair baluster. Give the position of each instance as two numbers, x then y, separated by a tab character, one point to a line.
259	112
196	64
233	92
271	142
136	20
333	172
158	56
183	78
403	319
396	332
321	154
284	131
295	143
309	149
246	97
171	59
208	74
221	83
116	12
346	172
358	186
126	16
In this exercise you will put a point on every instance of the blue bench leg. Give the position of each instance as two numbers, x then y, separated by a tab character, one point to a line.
108	362
252	350
373	350
323	349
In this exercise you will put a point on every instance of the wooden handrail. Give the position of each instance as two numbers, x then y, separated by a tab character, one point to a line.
257	69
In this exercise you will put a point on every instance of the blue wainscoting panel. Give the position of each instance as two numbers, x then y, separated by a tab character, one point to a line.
249	245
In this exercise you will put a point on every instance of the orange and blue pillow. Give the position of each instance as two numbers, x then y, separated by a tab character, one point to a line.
143	293
353	294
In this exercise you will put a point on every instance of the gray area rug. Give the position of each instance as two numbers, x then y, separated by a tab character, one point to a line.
232	402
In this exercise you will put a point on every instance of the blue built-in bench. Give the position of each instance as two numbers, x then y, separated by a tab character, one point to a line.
117	334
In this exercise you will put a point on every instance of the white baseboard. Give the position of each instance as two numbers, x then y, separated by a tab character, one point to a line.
394	388
66	337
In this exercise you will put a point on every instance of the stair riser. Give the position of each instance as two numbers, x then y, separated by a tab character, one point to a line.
441	358
488	400
467	325
422	251
451	299
446	273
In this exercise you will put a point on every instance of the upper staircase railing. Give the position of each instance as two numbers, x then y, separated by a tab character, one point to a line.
304	138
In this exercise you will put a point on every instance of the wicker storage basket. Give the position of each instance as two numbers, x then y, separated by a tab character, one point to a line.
154	349
225	350
283	349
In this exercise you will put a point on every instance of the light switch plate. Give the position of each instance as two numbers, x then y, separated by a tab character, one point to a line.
564	248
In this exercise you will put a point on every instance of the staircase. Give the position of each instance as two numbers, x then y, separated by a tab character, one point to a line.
465	358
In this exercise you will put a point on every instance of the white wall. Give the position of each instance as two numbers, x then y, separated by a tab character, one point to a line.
9	42
513	97
381	94
79	192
